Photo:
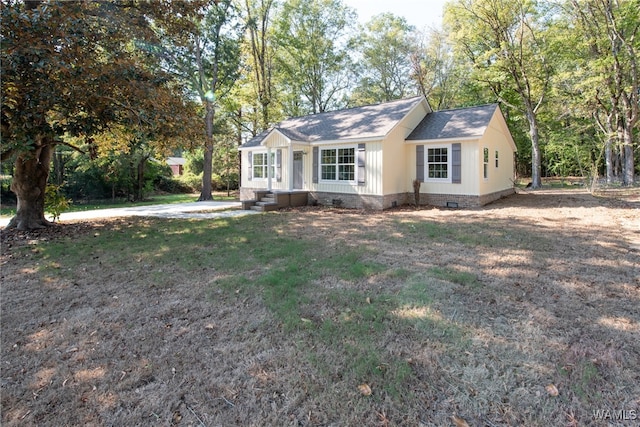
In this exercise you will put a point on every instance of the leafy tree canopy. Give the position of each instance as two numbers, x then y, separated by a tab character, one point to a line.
80	69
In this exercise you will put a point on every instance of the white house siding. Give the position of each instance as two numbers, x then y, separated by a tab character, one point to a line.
283	184
469	172
273	142
469	161
245	182
495	138
397	177
373	165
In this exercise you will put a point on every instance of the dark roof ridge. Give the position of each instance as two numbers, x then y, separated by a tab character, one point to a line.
350	108
467	108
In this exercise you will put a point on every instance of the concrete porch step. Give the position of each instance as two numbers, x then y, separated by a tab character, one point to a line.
265	206
271	201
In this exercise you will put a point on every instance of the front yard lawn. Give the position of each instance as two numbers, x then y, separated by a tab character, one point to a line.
524	312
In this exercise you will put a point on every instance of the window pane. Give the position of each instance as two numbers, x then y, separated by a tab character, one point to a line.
328	156
329	172
438	171
346	173
346	155
259	162
486	155
437	163
437	155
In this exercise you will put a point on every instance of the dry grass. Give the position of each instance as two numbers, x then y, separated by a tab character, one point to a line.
279	319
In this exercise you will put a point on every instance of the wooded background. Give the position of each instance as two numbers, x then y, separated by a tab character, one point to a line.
104	87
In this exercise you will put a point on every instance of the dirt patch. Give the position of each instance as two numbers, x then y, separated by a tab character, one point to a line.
536	290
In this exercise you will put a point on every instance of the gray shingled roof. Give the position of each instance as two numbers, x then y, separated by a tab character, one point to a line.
458	123
370	121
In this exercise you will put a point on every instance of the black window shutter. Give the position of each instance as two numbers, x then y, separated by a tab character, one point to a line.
361	164
279	165
456	163
250	171
420	163
315	165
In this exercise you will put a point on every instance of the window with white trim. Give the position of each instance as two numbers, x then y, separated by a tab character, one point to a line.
485	161
496	158
338	164
261	165
437	163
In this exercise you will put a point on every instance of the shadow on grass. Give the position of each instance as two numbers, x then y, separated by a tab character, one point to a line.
466	314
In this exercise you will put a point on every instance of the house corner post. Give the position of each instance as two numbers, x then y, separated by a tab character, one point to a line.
269	166
290	167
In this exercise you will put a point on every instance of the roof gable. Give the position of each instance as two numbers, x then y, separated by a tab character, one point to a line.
458	123
370	121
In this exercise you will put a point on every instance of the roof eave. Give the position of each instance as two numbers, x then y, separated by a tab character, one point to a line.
440	140
261	145
346	140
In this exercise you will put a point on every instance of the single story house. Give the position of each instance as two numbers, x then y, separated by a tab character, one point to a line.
370	156
177	165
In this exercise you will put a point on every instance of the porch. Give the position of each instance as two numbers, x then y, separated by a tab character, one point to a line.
271	200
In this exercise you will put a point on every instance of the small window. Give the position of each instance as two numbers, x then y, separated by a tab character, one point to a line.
486	163
260	166
438	163
496	158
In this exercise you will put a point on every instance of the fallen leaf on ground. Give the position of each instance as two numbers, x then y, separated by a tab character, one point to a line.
459	422
552	390
364	389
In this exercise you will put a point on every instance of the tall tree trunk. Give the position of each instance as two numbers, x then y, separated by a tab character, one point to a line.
608	160
608	148
140	179
629	164
258	27
207	172
536	158
29	183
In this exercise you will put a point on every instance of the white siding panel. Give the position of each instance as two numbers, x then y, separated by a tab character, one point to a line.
276	139
469	166
244	167
397	177
373	179
284	183
500	178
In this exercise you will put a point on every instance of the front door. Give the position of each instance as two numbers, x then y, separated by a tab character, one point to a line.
297	170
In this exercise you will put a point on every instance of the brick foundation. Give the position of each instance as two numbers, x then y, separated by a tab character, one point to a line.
356	201
462	201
